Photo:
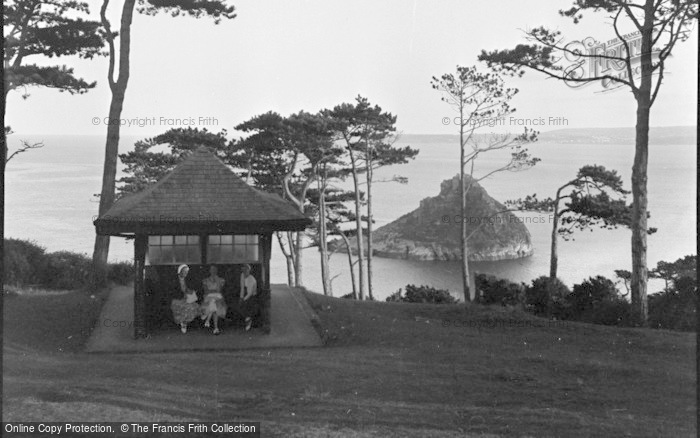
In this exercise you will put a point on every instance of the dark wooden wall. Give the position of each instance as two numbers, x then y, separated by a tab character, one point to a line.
156	286
162	286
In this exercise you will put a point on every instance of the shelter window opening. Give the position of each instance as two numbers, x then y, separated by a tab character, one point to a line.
235	249
174	250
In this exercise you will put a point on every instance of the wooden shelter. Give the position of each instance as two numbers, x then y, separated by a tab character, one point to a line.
199	214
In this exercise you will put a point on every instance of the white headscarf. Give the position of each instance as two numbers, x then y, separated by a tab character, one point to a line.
181	267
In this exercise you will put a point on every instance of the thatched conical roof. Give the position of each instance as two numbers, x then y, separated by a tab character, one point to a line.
200	195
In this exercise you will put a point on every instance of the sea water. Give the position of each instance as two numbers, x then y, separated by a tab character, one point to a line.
50	199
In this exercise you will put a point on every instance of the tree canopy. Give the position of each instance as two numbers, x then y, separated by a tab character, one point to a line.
641	63
596	199
49	28
154	157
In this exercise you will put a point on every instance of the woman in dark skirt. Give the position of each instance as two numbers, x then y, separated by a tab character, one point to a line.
185	309
248	297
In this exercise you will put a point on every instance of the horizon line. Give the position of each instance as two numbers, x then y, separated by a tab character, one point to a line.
402	133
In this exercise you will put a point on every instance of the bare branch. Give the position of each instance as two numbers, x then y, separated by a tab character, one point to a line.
24	148
627	61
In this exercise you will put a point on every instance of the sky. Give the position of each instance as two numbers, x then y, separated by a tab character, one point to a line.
287	56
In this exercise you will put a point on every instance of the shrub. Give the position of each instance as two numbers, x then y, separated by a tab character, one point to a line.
590	293
598	301
24	262
675	308
611	312
537	297
493	290
349	296
67	270
121	272
395	297
27	263
423	294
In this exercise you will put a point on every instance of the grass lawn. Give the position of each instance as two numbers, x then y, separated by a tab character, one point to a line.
388	369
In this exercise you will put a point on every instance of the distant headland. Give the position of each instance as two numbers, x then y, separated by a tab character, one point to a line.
662	135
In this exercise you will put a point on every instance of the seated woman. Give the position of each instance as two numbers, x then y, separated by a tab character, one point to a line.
213	305
185	309
248	297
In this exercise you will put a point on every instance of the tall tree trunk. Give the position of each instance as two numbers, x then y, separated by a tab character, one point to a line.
296	242
6	91
290	270
351	264
553	255
369	223
109	173
358	225
298	249
292	254
639	213
463	210
639	175
288	259
323	238
2	192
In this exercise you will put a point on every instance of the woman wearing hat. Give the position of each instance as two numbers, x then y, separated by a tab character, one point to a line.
185	309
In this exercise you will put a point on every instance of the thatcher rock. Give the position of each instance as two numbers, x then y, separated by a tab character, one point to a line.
432	231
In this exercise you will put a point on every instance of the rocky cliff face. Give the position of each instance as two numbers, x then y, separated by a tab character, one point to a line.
432	231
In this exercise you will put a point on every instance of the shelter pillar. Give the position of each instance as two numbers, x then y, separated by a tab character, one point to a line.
140	245
266	240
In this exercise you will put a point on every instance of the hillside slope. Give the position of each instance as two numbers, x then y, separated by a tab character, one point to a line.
387	370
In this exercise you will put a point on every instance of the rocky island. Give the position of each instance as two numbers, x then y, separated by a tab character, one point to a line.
432	231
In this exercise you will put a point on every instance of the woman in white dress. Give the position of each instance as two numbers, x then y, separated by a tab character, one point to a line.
213	305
